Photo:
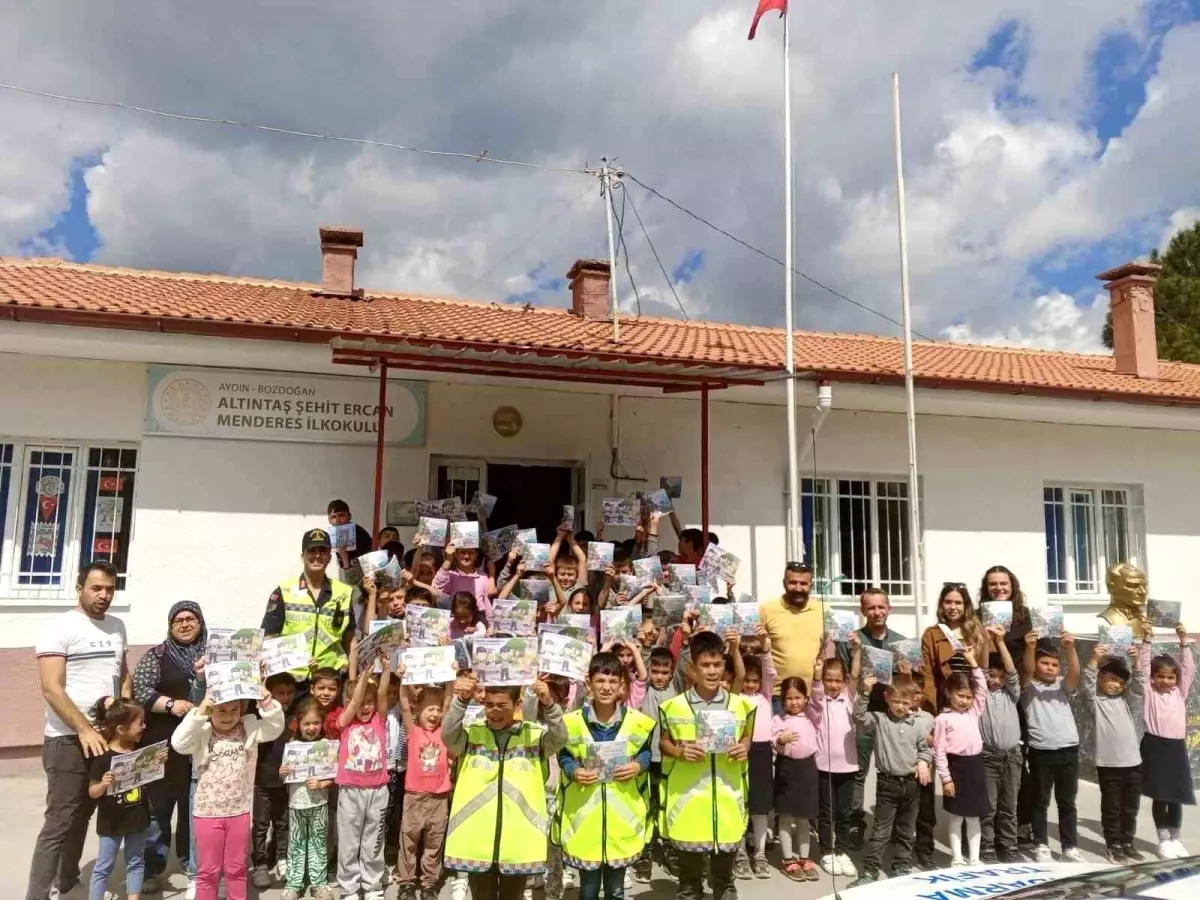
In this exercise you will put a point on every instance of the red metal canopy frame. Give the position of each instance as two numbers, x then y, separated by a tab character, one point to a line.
671	377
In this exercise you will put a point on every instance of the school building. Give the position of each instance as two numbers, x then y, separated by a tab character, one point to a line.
190	427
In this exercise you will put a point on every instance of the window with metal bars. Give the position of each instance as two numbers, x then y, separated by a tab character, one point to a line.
857	528
1088	529
61	506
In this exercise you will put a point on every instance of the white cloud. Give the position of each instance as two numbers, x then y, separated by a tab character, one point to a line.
1178	221
1056	323
671	88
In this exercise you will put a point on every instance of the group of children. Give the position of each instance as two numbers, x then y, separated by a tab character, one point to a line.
418	773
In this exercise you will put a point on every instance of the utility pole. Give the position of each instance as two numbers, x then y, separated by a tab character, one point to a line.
608	174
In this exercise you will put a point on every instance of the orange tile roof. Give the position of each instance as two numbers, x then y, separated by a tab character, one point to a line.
50	290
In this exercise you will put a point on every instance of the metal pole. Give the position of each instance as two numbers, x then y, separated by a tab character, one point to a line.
380	428
793	543
606	193
704	465
914	510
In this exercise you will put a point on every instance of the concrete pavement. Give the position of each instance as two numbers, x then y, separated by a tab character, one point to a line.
24	802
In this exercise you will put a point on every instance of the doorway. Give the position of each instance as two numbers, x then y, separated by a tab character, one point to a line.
531	496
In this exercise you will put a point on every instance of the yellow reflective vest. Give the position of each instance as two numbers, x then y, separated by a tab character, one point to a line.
606	823
498	812
301	616
703	804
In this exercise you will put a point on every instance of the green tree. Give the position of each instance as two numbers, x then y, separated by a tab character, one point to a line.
1176	299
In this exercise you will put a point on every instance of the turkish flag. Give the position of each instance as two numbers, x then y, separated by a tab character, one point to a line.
104	546
111	484
765	6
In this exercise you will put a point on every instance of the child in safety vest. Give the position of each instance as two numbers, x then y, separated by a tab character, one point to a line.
498	818
607	757
705	732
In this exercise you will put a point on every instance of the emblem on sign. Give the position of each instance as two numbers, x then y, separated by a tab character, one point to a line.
50	486
185	402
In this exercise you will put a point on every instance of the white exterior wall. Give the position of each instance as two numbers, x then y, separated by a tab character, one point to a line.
220	521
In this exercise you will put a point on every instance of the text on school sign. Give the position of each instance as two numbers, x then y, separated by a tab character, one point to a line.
259	406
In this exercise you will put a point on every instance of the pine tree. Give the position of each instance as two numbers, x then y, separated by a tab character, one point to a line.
1176	299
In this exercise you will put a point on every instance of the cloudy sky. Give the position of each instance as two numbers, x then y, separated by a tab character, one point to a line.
1044	142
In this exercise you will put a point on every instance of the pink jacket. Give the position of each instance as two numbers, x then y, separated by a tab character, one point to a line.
837	747
958	733
762	701
451	581
805	744
1166	711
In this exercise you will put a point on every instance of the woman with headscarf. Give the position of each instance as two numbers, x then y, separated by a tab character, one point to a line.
163	682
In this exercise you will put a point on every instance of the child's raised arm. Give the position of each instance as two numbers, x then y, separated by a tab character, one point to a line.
733	640
406	700
1029	660
381	692
356	698
511	584
1071	680
639	665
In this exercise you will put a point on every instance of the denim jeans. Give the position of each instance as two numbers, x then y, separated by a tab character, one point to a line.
68	811
106	859
592	880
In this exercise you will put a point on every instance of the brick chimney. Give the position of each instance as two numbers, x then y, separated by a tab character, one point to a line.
339	250
589	288
1131	298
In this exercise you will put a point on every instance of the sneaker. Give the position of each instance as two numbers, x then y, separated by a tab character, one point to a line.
845	866
289	894
1115	855
926	863
528	895
151	885
1180	850
643	869
760	867
1042	854
281	870
189	893
741	867
628	880
109	895
378	895
570	879
988	857
261	878
458	887
901	870
957	862
864	879
792	869
1072	854
324	892
829	864
1132	853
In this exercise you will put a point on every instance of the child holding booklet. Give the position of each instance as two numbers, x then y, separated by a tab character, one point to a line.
426	790
602	845
308	816
794	735
465	620
958	752
362	779
224	745
460	572
758	684
123	817
837	756
1167	773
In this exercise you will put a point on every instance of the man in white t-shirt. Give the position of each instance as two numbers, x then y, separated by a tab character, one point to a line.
81	658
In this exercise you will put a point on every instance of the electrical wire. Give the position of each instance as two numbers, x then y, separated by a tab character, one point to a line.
624	247
765	255
662	268
475	157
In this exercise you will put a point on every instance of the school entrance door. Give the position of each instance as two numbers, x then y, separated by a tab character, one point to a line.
529	494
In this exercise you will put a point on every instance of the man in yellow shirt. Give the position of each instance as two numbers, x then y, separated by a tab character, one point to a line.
795	625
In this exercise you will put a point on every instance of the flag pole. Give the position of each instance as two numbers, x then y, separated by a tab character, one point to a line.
914	510
794	542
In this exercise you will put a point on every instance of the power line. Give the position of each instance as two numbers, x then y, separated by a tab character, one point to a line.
661	267
483	156
765	255
624	247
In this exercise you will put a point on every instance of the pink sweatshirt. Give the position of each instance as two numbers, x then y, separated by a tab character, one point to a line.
762	701
958	733
1166	711
451	581
837	747
805	744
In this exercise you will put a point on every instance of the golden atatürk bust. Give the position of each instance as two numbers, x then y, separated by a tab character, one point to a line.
1127	590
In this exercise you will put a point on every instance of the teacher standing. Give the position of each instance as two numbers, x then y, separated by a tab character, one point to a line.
162	683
